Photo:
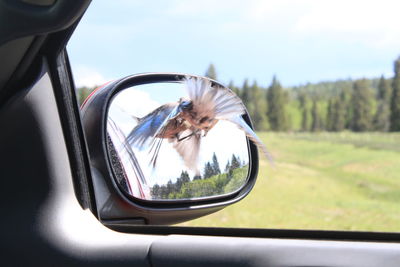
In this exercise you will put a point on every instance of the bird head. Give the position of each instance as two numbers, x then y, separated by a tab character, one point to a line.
185	104
198	116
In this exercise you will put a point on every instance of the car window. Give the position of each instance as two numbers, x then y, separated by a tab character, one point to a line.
321	81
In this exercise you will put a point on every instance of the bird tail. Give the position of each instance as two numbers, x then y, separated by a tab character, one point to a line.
239	122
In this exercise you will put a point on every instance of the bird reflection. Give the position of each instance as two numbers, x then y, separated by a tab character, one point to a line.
185	122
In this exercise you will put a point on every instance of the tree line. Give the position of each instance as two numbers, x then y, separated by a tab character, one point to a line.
354	105
212	182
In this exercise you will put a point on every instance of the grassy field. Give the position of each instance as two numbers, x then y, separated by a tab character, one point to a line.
336	181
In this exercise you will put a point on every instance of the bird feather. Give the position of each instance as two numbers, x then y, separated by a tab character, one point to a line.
189	149
150	125
207	101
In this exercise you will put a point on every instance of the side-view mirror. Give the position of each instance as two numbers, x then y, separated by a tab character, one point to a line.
166	148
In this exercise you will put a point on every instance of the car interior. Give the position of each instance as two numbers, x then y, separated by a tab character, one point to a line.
55	187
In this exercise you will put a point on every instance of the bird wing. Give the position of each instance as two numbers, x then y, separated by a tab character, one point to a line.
157	142
189	148
242	125
154	124
222	102
150	125
228	105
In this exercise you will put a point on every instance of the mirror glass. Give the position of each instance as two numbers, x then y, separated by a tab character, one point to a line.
173	162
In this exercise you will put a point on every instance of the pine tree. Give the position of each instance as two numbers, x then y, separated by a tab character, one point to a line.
342	108
345	104
228	166
339	113
362	106
276	113
235	162
258	107
211	72
170	188
316	121
208	170
382	116
249	94
395	101
304	111
246	93
384	90
184	177
304	120
215	165
330	115
155	192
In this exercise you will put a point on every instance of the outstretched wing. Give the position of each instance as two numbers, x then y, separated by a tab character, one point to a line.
218	102
188	147
149	126
223	104
242	125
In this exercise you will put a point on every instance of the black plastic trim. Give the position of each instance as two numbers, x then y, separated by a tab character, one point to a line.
361	236
18	19
63	84
70	118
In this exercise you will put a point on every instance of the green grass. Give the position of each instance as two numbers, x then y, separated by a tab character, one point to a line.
336	181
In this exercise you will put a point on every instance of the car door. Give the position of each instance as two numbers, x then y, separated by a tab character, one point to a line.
47	195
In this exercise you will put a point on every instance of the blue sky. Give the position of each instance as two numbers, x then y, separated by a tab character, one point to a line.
299	41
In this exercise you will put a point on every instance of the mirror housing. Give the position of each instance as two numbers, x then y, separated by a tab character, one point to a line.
115	207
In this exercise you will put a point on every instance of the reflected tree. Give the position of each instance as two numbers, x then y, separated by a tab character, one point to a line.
215	165
211	72
212	183
208	170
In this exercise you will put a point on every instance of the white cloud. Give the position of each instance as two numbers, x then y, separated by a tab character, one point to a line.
371	23
135	102
244	39
86	76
